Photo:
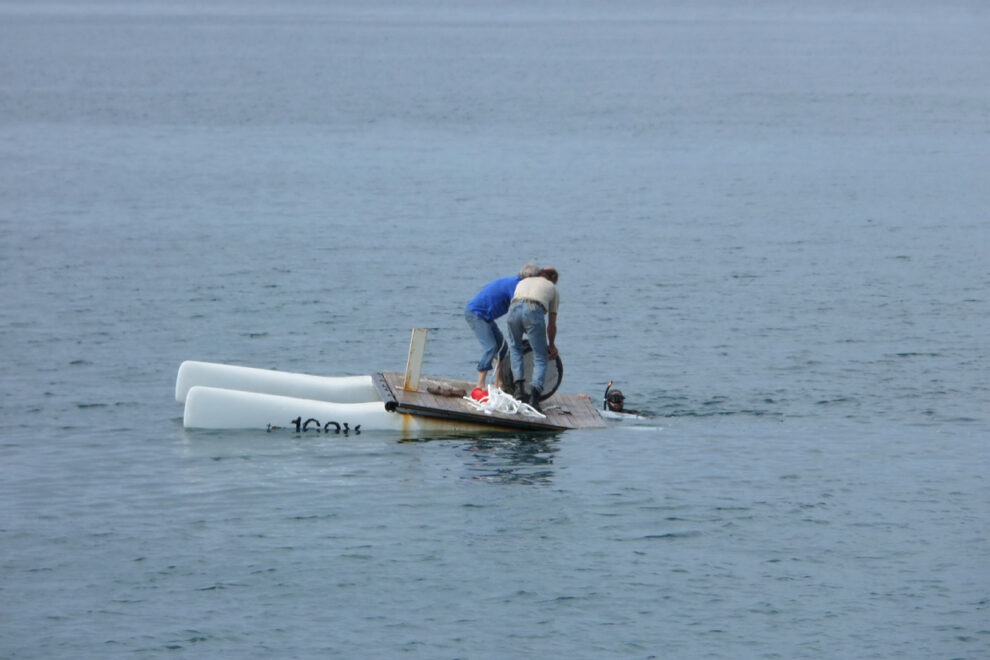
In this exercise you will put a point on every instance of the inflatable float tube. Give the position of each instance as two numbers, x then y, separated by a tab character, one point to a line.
343	389
218	408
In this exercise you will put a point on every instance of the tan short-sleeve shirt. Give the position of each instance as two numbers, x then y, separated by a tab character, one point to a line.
538	289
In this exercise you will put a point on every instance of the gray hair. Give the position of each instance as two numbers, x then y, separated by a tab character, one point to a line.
529	270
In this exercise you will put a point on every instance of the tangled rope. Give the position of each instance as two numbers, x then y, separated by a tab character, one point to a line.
501	402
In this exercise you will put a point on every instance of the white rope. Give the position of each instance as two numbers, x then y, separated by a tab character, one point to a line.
502	402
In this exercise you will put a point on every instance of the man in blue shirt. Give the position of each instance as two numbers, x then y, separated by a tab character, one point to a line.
491	303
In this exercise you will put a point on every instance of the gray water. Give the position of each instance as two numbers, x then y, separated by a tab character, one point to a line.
771	223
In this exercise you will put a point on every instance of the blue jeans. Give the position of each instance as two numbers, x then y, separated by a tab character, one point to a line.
526	317
492	341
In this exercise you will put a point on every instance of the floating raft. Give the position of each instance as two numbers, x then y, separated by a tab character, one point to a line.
444	399
219	396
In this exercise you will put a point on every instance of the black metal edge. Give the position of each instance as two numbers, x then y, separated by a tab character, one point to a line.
486	420
388	396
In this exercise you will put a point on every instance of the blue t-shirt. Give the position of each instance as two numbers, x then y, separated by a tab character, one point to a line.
493	300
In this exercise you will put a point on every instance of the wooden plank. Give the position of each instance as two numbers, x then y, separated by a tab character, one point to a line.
563	411
414	365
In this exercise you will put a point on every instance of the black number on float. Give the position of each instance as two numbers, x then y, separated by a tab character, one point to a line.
303	427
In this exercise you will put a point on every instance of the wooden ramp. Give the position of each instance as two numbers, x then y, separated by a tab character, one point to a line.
443	398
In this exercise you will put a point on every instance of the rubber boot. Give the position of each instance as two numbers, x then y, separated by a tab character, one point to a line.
520	391
534	398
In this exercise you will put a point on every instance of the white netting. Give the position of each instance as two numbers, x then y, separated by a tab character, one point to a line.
501	402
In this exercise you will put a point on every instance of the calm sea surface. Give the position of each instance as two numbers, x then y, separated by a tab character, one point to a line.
772	223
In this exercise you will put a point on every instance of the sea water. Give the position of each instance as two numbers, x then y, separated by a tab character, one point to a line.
771	224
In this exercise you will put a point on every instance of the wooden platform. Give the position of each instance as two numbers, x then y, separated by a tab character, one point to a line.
443	398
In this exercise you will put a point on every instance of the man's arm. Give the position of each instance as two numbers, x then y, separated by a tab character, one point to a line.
552	334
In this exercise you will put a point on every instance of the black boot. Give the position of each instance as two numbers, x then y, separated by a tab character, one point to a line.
534	398
520	391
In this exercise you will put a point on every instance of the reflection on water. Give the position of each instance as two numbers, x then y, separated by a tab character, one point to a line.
525	458
505	457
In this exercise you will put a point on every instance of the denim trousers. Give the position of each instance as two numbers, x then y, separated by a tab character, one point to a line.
528	318
492	341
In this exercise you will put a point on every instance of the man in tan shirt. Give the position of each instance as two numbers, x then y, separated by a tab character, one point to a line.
533	312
